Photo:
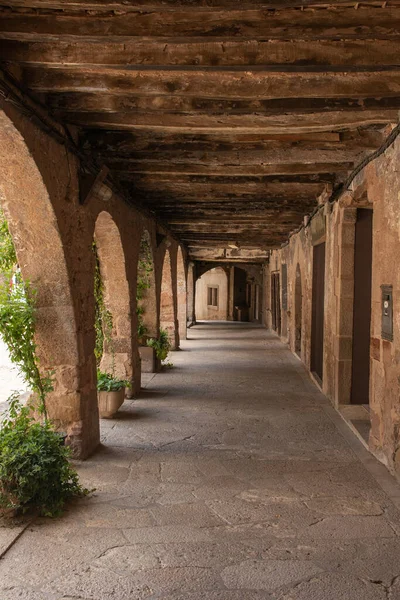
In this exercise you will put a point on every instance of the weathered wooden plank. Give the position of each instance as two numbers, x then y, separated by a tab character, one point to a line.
172	5
204	53
268	124
202	83
252	24
169	179
285	155
78	102
317	171
211	187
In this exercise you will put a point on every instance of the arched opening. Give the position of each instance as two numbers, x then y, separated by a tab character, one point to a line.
116	324
167	308
181	295
40	252
146	305
298	303
211	303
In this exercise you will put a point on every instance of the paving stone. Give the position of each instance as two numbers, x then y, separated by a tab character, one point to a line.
335	587
204	554
35	559
344	506
165	534
93	583
267	575
10	530
348	527
222	595
196	515
129	558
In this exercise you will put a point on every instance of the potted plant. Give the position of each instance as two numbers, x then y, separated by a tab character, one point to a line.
161	346
111	393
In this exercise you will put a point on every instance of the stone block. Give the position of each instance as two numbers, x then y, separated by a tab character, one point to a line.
149	361
375	348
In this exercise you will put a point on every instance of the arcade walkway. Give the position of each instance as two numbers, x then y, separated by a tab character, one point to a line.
231	479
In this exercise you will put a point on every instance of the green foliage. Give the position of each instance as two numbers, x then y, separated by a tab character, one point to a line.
103	317
8	257
107	382
17	329
34	469
162	345
145	269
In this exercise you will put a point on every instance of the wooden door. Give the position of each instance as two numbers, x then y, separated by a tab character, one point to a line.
362	307
276	302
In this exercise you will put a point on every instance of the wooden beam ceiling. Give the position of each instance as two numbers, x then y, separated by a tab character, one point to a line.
226	122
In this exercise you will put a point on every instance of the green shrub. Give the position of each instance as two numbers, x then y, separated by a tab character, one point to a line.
107	382
162	345
35	472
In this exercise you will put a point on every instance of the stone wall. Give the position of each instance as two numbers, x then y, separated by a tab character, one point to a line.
53	232
377	188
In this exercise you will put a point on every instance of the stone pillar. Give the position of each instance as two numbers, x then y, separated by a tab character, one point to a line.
344	293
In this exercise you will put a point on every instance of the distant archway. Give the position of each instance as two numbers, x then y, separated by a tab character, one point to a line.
211	301
298	309
117	352
167	309
181	295
39	247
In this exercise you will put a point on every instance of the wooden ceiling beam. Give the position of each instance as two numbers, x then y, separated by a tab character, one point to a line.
82	102
314	172
289	123
203	52
240	23
172	5
202	83
285	155
121	141
285	181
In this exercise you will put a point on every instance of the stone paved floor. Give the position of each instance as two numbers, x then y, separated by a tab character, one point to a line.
228	480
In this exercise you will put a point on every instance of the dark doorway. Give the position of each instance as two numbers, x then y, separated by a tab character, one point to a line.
362	307
317	327
276	302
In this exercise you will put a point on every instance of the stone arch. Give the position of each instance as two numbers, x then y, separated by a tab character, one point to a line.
167	305
40	251
210	308
116	297
181	294
146	285
298	311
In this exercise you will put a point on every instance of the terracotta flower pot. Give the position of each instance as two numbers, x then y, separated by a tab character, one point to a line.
109	402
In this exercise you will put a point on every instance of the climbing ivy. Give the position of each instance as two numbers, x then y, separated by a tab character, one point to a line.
145	269
103	317
8	257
